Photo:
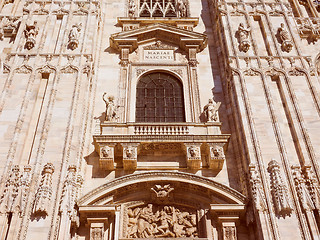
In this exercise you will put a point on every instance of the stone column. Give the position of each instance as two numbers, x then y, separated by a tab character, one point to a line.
194	85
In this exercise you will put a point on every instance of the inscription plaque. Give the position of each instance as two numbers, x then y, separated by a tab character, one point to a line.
158	55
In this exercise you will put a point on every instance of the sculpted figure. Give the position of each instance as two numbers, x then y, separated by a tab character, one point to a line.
243	37
211	111
110	108
132	8
74	36
145	228
165	223
182	8
130	152
106	151
193	151
30	33
217	152
284	38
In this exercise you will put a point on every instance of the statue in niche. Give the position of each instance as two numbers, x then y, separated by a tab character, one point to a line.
74	36
211	111
111	108
132	8
160	221
106	152
181	8
242	35
30	33
284	38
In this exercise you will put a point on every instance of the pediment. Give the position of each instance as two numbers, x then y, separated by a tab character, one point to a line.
180	37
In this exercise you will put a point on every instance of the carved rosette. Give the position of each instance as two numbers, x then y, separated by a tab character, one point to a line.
193	156
44	193
130	156
279	190
106	160
161	221
257	189
216	156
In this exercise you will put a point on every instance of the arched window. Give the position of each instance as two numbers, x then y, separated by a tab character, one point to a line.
159	99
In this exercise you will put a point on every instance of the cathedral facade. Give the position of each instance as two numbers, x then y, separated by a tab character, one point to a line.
159	119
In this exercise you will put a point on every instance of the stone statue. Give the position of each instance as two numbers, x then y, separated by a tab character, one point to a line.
211	111
284	38
73	36
181	8
132	8
111	109
30	33
242	35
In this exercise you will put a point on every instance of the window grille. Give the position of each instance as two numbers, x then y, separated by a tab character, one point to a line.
159	99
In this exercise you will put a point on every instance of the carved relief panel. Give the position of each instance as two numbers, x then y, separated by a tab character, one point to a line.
160	221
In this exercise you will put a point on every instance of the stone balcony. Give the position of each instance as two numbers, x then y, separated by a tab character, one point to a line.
173	146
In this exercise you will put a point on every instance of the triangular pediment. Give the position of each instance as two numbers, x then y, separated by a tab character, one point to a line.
181	37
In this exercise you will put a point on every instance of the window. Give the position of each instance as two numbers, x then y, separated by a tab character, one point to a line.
159	99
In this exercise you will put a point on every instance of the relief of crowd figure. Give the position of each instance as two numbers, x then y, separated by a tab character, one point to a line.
160	221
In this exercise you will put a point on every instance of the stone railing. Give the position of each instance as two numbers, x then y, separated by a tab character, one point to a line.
161	130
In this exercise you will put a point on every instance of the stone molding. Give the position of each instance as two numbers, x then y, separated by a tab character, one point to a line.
232	195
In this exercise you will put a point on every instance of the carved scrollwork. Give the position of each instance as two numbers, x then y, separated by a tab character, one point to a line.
43	195
279	190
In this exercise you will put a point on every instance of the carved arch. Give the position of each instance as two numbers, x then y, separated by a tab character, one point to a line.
212	192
